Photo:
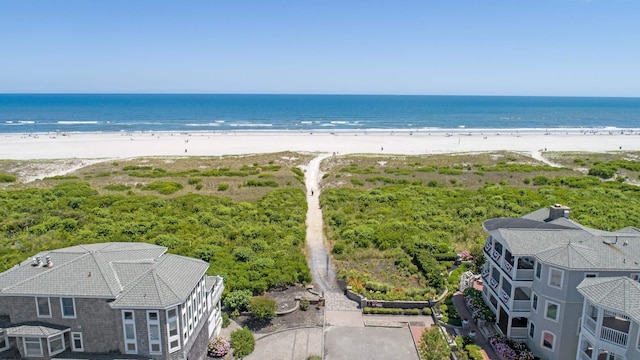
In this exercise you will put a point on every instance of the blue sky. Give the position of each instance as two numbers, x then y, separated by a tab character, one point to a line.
456	47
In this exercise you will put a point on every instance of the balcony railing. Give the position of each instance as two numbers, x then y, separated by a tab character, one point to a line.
505	296
613	336
518	332
524	274
493	282
485	273
507	267
589	324
496	256
521	305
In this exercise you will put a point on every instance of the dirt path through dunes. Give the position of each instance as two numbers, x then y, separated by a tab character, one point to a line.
318	257
538	156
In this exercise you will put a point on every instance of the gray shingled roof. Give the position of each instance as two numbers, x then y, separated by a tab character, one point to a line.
565	243
134	274
35	329
620	294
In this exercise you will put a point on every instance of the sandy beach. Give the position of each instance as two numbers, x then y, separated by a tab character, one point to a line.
118	145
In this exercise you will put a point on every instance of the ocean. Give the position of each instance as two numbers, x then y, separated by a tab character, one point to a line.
47	113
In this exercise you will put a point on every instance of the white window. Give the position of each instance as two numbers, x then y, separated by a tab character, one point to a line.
56	344
534	302
172	329
129	327
32	347
43	306
552	311
185	326
153	327
68	307
548	340
4	341
76	341
555	277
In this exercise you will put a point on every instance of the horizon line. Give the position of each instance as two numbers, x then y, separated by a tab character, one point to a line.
314	94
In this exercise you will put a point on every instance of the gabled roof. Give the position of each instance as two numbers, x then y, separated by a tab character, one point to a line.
565	243
620	294
133	274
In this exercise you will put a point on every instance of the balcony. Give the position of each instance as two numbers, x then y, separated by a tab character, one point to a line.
495	255
614	336
507	267
485	273
505	297
589	324
494	283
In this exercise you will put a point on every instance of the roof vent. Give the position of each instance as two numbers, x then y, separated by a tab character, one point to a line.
49	262
37	261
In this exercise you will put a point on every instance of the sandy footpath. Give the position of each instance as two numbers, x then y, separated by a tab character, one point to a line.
116	145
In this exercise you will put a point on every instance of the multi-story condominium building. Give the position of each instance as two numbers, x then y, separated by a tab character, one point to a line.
534	266
610	327
108	301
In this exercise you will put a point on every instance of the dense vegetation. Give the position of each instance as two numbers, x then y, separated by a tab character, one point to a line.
253	245
398	241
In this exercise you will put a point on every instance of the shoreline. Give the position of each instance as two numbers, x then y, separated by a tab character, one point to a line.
113	145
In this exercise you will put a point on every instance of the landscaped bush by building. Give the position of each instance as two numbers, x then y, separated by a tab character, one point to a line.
382	311
304	304
509	349
427	311
263	308
412	312
237	300
243	342
479	310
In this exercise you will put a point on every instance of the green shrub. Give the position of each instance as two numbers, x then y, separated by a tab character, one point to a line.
163	187
194	180
427	311
357	182
223	187
314	357
237	300
243	342
262	308
412	312
257	183
117	187
304	304
225	320
7	178
474	351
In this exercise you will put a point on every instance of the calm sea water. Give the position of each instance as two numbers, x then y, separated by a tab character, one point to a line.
39	113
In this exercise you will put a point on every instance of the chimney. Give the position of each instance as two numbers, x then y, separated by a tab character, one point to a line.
49	262
557	211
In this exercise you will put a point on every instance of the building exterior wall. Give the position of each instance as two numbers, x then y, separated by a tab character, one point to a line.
94	319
